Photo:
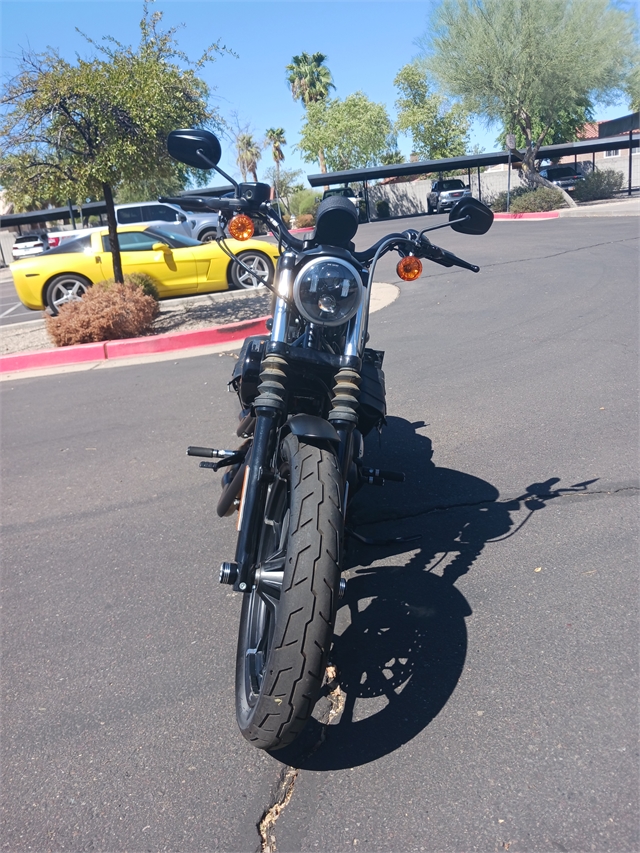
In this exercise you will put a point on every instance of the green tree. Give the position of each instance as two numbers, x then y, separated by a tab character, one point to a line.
249	154
284	182
85	130
310	82
353	133
632	86
438	128
524	63
276	139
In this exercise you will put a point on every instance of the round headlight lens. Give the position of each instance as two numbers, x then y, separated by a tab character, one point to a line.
328	292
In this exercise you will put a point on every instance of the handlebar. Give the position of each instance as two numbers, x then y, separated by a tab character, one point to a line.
406	242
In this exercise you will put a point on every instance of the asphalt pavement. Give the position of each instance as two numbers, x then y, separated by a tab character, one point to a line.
488	670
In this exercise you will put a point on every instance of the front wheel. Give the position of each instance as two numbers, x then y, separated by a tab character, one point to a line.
286	624
68	287
258	262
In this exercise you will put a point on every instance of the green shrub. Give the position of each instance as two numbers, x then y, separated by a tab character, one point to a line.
538	201
304	201
524	200
383	210
108	311
499	203
599	184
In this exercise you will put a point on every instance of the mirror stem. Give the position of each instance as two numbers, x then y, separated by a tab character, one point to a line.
446	224
216	168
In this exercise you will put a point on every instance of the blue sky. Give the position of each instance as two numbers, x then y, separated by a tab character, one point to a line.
366	42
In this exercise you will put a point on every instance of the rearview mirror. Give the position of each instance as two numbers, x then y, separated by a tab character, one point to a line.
195	147
160	247
470	216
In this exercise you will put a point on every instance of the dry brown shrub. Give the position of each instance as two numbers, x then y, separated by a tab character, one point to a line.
108	311
305	220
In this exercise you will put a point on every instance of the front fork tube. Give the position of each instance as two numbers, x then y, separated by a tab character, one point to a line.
254	496
345	448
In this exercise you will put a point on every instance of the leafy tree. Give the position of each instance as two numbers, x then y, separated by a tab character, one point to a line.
249	154
276	138
310	81
284	183
565	128
85	130
632	87
353	133
525	63
438	128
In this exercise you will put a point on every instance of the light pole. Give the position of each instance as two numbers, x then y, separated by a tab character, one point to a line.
511	143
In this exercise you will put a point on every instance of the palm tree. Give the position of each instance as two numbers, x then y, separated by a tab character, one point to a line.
310	81
249	154
275	136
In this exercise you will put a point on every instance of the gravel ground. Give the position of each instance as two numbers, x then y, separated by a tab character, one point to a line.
181	315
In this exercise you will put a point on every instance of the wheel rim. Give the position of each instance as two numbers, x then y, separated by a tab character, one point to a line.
66	290
265	595
209	237
257	263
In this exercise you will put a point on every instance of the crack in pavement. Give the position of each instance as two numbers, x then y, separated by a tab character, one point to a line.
288	776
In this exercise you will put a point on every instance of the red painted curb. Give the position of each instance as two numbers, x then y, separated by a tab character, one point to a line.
52	357
169	342
549	214
173	341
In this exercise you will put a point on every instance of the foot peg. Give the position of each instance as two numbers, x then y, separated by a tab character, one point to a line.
226	457
210	452
378	477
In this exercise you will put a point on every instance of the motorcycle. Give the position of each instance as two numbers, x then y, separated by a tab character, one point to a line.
309	393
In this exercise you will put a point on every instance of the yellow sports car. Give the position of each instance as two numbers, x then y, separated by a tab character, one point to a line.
178	264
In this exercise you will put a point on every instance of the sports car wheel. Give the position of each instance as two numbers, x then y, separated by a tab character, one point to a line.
65	288
256	261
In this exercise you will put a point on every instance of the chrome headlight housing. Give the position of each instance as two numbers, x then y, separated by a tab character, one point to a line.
328	291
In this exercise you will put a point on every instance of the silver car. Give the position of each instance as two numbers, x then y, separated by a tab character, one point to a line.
445	193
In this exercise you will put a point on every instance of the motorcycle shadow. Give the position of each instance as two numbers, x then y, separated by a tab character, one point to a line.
401	640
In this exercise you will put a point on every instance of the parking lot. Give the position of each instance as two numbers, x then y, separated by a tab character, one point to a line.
488	670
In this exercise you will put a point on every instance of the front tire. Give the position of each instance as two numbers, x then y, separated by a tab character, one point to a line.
256	261
208	236
286	624
68	287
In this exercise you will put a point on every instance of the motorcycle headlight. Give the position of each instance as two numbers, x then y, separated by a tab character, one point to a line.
328	291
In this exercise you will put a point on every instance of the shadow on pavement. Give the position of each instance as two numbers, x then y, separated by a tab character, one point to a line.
401	639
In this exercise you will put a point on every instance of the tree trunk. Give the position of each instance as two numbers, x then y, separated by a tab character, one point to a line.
534	179
113	234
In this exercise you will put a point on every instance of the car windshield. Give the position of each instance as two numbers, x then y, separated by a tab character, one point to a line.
452	185
561	172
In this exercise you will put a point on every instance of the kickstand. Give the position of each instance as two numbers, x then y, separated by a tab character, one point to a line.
368	541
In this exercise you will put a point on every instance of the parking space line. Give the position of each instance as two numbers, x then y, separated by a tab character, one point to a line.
17	305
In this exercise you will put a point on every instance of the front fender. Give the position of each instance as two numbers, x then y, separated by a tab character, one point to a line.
312	428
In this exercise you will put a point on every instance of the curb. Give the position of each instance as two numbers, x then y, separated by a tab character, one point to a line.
109	350
549	214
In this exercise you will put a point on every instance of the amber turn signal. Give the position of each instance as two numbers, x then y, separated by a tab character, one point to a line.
241	227
409	268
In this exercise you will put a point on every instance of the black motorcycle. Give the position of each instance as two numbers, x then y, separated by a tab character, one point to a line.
309	393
